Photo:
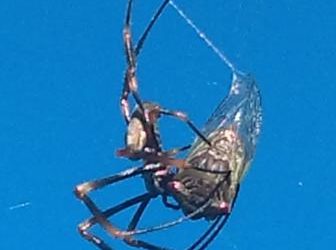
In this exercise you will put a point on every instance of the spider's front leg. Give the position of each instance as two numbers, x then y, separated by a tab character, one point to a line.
131	53
130	80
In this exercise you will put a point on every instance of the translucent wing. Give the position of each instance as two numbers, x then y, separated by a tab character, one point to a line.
240	109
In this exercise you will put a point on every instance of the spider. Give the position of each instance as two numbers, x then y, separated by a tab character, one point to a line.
207	181
142	142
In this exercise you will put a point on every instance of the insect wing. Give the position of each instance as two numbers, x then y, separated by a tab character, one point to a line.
241	109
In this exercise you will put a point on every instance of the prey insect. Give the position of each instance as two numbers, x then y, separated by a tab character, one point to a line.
142	143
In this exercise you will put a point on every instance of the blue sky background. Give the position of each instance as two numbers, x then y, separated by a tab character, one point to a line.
61	66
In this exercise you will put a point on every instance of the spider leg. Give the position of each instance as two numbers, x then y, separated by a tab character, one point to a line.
198	211
215	232
175	151
136	217
82	190
126	153
124	106
221	225
180	164
100	217
171	223
184	118
87	224
130	81
155	17
205	234
168	162
112	230
97	241
86	187
84	227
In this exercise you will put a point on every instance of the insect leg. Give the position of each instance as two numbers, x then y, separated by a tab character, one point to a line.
168	204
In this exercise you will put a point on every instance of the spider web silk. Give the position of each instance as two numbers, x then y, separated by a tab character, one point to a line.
203	36
241	108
